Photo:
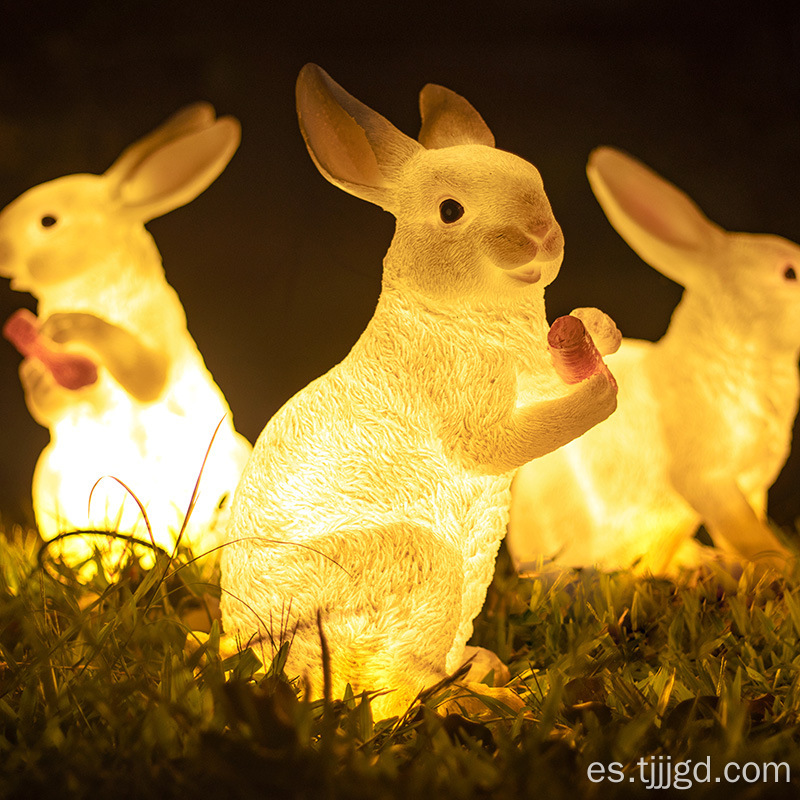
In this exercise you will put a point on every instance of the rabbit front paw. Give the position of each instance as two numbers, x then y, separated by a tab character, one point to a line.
48	398
43	396
602	329
598	397
139	369
64	327
71	370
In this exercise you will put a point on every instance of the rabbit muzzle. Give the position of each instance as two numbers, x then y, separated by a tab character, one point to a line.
540	252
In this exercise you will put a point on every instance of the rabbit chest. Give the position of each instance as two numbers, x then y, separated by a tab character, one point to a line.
759	414
737	412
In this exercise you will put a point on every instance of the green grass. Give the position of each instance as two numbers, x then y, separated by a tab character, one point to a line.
100	698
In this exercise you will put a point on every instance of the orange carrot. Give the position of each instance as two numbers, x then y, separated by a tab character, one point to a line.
70	370
574	354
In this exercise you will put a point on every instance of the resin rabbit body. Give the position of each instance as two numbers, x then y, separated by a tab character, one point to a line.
78	244
705	414
377	496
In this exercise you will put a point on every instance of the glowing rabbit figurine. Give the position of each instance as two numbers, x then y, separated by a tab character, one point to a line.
148	412
377	496
705	414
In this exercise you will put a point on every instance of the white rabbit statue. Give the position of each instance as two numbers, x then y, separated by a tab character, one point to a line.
377	496
139	404
705	414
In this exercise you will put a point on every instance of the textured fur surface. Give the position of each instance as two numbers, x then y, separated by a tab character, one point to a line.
377	496
79	245
705	414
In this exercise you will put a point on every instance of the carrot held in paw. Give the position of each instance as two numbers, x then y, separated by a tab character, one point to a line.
574	354
70	370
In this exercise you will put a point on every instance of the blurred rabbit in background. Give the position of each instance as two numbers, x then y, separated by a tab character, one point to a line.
705	414
111	369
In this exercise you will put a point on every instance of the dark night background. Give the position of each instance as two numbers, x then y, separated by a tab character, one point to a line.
279	271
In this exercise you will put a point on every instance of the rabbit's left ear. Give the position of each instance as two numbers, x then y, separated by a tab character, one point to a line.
175	163
448	119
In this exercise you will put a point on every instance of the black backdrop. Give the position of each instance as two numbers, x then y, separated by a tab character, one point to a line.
278	271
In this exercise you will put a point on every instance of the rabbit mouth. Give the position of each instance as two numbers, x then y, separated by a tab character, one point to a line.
528	273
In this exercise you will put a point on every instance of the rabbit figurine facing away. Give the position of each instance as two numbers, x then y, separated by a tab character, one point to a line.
705	414
141	406
377	496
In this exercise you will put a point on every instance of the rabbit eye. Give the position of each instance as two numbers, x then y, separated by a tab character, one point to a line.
450	210
48	220
789	273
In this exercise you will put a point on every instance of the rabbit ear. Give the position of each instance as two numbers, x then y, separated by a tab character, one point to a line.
448	119
175	163
660	222
354	147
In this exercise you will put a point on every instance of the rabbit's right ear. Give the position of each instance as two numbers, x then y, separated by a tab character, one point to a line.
660	222
176	162
354	147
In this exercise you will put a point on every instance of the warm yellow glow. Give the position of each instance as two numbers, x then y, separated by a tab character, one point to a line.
110	367
704	416
377	497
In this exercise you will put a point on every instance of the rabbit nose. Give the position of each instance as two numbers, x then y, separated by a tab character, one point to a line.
551	245
6	255
540	229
